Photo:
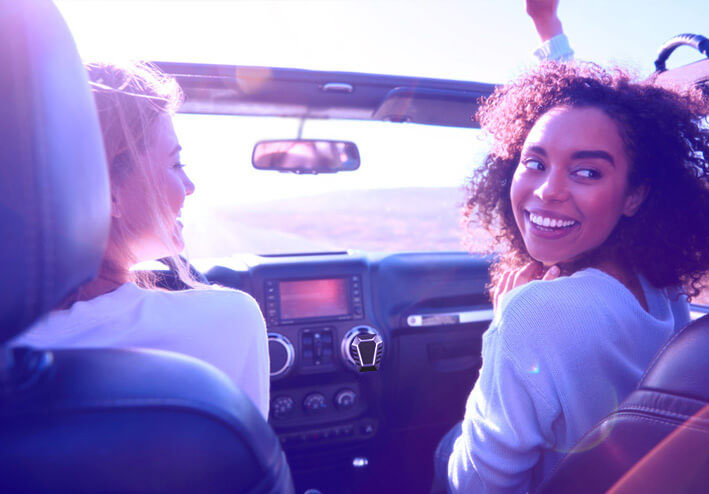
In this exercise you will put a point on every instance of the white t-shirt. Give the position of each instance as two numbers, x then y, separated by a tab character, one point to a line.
224	328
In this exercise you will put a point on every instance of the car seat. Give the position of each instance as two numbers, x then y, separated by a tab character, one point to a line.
95	420
657	440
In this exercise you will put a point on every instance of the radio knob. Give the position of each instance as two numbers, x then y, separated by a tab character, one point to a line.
281	354
315	403
345	399
282	407
362	348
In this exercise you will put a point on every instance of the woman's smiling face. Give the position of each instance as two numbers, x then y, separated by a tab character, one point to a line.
570	187
156	233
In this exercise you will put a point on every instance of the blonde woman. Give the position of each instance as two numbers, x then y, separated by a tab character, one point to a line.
149	185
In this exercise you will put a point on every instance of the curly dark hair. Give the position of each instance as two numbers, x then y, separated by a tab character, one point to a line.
667	143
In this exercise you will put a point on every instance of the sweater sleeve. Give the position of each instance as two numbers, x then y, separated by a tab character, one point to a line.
557	48
507	422
511	411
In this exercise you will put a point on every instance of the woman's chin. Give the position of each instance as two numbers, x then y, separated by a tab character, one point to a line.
548	260
561	262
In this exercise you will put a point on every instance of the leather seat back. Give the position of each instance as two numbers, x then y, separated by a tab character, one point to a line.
94	420
108	420
657	440
54	199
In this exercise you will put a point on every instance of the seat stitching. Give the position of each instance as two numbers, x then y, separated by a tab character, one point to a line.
656	410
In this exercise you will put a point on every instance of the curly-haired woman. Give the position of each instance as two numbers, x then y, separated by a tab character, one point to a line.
596	192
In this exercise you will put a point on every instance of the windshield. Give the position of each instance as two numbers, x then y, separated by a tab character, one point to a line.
406	195
408	191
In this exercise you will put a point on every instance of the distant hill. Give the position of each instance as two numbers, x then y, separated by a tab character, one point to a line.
409	201
424	219
376	220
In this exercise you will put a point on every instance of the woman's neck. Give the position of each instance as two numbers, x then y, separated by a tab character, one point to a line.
625	275
104	283
110	277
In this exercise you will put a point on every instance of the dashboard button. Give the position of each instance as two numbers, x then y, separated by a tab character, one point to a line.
366	429
281	355
282	407
315	403
345	399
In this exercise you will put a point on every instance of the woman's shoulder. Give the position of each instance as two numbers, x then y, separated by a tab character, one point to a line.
544	311
579	292
212	303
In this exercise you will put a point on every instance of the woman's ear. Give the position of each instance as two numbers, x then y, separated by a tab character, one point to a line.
115	206
635	199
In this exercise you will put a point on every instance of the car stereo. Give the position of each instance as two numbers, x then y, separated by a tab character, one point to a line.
296	301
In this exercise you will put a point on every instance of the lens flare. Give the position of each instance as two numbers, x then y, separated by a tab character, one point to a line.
250	80
605	429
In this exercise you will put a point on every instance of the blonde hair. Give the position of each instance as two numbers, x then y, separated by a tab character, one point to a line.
129	99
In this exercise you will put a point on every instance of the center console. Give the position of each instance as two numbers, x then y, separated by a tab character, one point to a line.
318	394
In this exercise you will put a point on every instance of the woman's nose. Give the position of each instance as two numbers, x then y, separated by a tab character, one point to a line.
553	188
189	186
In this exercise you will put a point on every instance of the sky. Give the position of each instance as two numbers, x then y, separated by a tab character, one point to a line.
485	40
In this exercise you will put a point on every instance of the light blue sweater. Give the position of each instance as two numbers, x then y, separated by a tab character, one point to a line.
559	356
556	48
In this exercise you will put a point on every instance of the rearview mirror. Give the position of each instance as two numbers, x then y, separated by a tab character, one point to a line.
306	156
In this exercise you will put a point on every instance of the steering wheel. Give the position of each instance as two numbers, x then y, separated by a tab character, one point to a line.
696	41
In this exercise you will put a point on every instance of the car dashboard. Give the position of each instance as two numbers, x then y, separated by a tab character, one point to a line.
338	419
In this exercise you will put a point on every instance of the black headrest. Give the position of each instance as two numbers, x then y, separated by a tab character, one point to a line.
54	193
682	368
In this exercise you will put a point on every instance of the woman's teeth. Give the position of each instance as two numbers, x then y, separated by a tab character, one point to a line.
550	222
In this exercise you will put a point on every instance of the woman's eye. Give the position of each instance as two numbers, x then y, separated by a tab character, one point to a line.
588	173
533	164
179	165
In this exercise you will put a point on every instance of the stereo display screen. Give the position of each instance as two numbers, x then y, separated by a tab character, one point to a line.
313	298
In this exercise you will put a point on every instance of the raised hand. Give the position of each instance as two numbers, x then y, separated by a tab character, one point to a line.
543	14
518	277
